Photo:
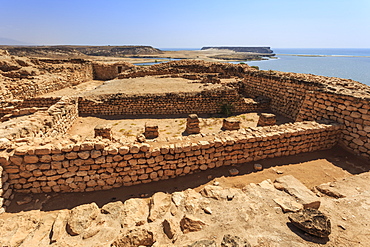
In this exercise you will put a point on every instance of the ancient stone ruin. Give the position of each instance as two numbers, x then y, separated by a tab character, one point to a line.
37	156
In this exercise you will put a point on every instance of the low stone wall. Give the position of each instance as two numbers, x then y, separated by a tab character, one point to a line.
352	112
308	97
5	190
286	94
185	66
91	166
169	103
58	76
55	120
24	107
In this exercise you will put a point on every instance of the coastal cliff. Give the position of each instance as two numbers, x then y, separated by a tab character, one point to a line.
241	49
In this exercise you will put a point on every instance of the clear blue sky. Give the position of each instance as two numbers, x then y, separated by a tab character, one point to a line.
189	23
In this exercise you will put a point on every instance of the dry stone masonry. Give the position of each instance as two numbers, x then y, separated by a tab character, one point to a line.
231	124
90	166
104	131
266	119
151	131
326	111
192	124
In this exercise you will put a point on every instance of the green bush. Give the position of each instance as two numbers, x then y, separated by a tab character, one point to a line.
227	109
255	67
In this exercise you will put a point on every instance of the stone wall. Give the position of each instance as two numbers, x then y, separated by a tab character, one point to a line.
56	120
109	71
223	70
168	103
5	190
352	112
91	166
286	94
55	75
308	97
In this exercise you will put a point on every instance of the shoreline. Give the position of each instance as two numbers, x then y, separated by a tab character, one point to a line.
313	55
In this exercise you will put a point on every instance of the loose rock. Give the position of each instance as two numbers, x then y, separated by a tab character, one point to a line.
312	221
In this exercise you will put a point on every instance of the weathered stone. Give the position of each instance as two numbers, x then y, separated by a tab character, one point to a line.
191	224
169	228
135	237
218	193
233	172
203	243
288	205
295	188
192	124
31	159
159	205
312	221
258	167
234	241
266	119
231	124
151	131
81	218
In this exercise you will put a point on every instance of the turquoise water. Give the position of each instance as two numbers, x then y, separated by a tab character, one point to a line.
344	63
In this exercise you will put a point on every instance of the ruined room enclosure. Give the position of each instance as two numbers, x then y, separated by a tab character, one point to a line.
49	145
170	126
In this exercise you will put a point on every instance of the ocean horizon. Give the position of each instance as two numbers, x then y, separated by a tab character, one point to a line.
347	63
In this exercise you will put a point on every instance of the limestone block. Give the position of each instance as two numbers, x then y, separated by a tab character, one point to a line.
151	131
295	188
104	131
231	124
266	119
192	124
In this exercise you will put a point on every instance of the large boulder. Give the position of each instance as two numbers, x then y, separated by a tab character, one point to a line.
312	221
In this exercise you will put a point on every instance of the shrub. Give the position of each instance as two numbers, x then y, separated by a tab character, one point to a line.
226	109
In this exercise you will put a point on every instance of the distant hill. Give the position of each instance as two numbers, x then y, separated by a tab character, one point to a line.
6	41
241	49
79	51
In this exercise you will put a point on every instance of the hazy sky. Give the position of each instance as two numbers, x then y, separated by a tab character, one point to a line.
189	23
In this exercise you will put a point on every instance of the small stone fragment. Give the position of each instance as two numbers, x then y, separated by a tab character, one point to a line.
25	200
234	241
234	172
258	167
191	224
203	243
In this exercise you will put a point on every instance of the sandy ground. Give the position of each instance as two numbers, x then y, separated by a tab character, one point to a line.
184	54
169	126
140	85
150	84
75	90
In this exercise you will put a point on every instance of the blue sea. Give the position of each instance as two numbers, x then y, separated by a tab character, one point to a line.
348	63
335	62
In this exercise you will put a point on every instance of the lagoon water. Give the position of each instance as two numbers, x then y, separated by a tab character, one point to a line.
344	63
